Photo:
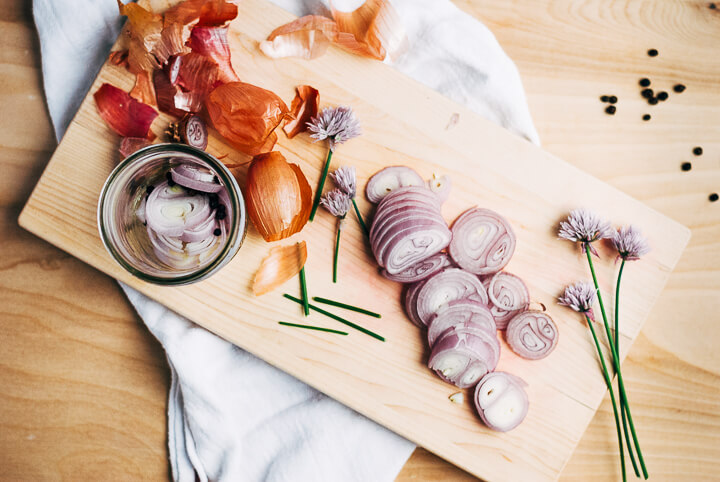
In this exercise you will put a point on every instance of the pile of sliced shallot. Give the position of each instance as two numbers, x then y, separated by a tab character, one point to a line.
457	289
186	217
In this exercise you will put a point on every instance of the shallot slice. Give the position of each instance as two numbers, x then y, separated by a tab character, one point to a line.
420	270
502	317
170	211
412	244
446	286
532	334
508	292
458	312
389	179
411	293
483	241
501	401
196	178
464	354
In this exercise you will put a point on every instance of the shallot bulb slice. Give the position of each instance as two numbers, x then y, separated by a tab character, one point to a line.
411	294
458	312
389	179
446	286
532	334
508	292
501	401
420	270
196	178
464	354
483	241
415	243
170	211
502	317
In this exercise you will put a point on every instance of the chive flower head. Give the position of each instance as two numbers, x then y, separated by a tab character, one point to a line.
585	227
336	124
345	179
579	297
631	245
337	202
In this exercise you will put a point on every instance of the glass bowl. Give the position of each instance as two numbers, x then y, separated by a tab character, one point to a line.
124	230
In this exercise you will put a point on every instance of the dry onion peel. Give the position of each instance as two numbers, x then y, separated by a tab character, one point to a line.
281	264
307	37
279	197
144	90
122	113
144	33
171	99
304	107
207	13
246	115
212	42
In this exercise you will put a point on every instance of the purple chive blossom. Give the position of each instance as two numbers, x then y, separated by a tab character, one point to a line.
337	202
345	179
337	125
583	226
579	297
630	243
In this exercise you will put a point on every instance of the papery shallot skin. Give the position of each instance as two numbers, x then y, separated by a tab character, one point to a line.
389	179
483	241
458	312
501	401
420	270
446	286
532	334
464	354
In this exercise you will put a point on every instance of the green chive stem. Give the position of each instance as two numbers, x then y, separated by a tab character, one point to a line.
608	382
337	318
360	218
616	362
303	291
337	249
311	327
346	307
321	185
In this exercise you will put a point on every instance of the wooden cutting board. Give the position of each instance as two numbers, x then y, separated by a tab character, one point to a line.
404	123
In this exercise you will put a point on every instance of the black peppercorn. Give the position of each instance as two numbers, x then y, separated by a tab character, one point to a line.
646	117
713	197
647	93
652	100
150	189
610	109
604	98
652	52
679	88
686	166
220	215
645	82
698	151
712	6
662	95
612	99
217	232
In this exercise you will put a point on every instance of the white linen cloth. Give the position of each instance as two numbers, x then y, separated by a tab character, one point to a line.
232	416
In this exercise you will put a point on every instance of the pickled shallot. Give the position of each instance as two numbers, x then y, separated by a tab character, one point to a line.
501	401
532	334
483	241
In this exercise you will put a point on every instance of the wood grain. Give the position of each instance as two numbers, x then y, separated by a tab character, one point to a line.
675	446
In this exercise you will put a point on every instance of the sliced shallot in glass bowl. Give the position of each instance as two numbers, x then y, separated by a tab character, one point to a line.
171	214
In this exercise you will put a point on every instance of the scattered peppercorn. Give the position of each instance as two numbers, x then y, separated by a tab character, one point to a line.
679	88
713	197
169	178
712	6
610	109
662	95
652	101
646	117
150	189
216	180
604	98
217	232
652	52
697	151
612	99
686	166
645	82
647	93
220	215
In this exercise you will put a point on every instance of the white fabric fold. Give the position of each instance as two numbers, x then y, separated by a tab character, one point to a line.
232	416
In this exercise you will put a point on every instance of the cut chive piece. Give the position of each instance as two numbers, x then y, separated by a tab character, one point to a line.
347	307
360	218
310	327
337	318
303	291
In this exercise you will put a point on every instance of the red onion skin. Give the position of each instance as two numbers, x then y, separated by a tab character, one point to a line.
472	289
375	194
458	312
534	328
485	262
513	383
420	270
503	282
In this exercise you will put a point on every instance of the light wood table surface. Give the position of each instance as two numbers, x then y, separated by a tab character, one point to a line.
83	384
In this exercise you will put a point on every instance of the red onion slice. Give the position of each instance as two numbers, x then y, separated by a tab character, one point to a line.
532	334
501	401
389	179
170	211
195	178
440	186
446	286
420	270
411	294
483	241
464	354
460	312
508	292
408	246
